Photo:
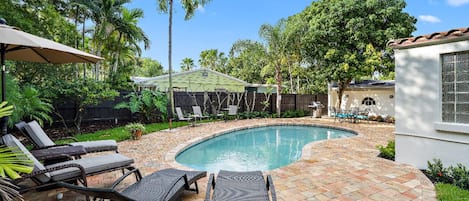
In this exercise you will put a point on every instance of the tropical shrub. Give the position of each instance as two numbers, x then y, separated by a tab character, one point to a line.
27	103
29	106
436	172
459	176
147	104
388	151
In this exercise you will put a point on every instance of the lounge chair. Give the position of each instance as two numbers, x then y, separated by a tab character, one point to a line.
246	186
198	112
41	140
181	116
166	184
233	111
72	170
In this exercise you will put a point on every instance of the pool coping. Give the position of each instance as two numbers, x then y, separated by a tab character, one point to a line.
306	151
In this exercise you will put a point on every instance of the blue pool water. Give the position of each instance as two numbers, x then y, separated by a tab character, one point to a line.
263	148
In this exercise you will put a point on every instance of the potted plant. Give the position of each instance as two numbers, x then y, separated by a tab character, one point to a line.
136	130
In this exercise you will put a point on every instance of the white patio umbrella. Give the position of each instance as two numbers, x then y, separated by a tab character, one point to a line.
17	45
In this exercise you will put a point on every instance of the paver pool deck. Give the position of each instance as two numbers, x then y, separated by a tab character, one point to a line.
338	169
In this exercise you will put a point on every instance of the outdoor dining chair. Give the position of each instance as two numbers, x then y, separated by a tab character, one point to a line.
162	185
67	171
181	116
240	186
233	111
41	140
198	112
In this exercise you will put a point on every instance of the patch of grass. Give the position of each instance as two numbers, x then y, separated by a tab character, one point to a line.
448	192
121	134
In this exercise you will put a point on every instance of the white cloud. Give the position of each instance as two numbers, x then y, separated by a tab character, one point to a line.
429	18
201	9
458	2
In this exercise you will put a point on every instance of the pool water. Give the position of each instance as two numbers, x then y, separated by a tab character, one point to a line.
262	148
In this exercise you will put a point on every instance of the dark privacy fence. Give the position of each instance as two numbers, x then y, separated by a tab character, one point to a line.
106	112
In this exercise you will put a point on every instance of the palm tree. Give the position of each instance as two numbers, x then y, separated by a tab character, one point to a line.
187	64
105	15
277	41
166	6
129	34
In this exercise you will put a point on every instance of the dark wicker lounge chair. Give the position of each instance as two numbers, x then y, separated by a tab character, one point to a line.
41	140
72	170
163	185
245	186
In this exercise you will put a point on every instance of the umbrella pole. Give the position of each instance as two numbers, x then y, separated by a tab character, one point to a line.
3	121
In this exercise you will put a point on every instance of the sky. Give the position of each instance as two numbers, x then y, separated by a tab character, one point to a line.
222	22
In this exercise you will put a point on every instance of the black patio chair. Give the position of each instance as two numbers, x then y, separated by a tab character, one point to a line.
245	186
68	171
162	185
41	140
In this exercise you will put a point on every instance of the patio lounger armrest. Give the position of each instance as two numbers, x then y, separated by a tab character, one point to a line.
69	138
47	170
270	186
93	192
171	186
53	146
210	185
135	171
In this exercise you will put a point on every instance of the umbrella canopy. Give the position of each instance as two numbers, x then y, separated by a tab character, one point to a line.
17	45
22	46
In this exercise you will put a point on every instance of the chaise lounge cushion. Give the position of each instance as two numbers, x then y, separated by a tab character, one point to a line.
42	140
97	146
91	165
39	137
11	141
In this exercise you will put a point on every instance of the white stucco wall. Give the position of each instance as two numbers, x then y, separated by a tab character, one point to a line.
353	98
418	109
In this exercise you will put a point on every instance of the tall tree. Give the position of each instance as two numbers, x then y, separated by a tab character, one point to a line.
187	64
212	59
276	41
247	60
148	67
129	34
342	35
166	6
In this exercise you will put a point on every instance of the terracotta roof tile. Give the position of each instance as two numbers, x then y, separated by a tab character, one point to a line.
430	38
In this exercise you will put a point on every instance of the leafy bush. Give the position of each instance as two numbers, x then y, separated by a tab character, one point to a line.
459	176
436	172
148	103
294	113
387	152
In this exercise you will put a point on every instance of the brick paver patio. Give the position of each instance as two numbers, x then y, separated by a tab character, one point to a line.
339	169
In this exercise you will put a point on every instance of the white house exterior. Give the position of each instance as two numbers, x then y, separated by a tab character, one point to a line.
432	98
374	95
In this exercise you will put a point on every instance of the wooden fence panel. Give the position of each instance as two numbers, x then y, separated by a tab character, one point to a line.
106	112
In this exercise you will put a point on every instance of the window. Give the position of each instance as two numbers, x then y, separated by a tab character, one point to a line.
368	101
455	88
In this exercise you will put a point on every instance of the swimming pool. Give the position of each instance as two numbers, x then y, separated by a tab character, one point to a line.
262	148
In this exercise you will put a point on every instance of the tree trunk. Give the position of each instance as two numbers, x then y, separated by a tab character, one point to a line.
116	62
278	78
171	97
83	42
342	85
